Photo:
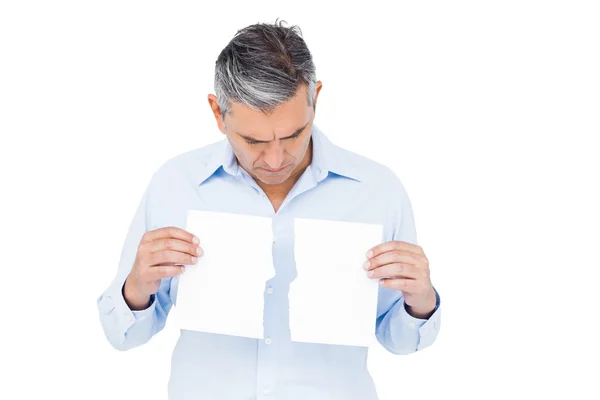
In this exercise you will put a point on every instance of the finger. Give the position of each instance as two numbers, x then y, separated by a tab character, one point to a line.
405	285
170	257
170	232
395	270
173	244
163	271
389	258
394	245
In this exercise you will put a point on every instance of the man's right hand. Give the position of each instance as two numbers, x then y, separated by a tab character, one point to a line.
161	254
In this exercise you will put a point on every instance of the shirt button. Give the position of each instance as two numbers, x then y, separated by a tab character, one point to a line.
270	290
411	324
266	391
274	239
268	340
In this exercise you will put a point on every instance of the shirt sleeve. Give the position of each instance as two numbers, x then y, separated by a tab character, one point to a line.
123	327
396	330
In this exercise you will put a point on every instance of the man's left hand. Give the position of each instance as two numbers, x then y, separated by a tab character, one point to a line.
403	266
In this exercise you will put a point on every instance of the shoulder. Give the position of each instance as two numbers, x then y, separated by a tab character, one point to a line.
173	184
371	173
189	165
388	193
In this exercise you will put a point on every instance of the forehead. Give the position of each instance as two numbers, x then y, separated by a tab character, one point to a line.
282	122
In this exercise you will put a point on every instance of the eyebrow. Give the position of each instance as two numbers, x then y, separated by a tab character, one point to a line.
251	139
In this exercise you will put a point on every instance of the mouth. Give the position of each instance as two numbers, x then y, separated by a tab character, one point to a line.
275	171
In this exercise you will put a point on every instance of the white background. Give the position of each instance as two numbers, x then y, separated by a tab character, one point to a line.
488	112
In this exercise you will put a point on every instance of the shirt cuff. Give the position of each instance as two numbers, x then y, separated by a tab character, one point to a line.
113	303
141	314
427	328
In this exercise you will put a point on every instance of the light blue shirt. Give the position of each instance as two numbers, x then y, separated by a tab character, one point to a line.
338	185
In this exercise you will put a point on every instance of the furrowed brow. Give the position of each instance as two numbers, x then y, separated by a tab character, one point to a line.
251	139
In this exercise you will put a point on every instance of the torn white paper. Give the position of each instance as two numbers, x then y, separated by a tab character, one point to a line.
224	291
332	301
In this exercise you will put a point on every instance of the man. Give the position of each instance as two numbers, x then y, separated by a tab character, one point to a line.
274	162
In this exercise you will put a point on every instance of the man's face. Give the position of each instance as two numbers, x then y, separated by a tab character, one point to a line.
271	147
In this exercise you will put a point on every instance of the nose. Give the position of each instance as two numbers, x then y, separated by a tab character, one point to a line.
274	156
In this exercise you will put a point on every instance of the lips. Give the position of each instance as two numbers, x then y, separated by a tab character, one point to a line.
274	171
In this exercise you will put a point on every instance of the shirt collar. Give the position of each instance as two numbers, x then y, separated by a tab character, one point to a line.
327	158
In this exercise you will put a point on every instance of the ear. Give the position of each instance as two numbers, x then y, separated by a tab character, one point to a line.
216	110
318	90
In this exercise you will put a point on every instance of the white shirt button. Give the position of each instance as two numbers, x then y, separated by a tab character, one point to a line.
266	391
270	290
268	340
411	324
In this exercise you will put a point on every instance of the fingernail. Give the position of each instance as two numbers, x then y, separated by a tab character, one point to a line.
369	254
182	269
194	259
366	265
370	273
196	240
199	251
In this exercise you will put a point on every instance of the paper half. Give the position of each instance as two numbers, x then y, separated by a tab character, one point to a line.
224	291
332	301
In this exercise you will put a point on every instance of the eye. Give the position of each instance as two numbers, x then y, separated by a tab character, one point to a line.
295	136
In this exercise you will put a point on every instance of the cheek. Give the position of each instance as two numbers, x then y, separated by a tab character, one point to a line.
300	149
246	157
252	157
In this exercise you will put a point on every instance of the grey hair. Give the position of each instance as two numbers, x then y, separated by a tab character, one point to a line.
263	66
